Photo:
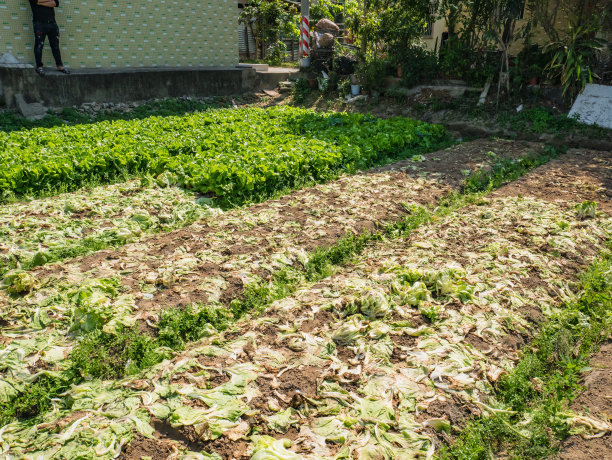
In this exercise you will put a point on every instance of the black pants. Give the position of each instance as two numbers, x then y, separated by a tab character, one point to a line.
42	30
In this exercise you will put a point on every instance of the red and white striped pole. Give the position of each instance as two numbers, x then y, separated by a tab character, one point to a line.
305	35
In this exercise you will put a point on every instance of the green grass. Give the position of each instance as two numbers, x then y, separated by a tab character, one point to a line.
547	379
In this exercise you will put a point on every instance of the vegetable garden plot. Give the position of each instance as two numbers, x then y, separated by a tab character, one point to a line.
51	229
233	154
35	232
595	400
209	262
363	363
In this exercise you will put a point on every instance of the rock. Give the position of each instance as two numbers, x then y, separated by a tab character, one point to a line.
34	111
8	60
273	93
352	100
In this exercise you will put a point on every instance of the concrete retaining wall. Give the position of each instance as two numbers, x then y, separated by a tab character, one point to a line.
96	85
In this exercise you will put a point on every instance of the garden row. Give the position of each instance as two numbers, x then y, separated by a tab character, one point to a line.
210	266
234	154
46	230
379	359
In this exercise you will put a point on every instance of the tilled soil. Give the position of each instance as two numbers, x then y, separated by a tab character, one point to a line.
453	165
596	400
382	366
577	176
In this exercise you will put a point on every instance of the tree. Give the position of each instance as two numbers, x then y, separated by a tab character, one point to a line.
548	15
270	21
387	25
575	45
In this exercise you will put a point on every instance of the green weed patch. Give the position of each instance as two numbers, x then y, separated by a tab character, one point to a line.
508	170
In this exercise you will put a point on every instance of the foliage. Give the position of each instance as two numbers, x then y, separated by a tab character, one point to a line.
507	170
301	90
113	355
326	9
418	65
34	401
178	327
233	154
530	63
546	14
271	21
478	29
371	73
541	120
459	60
574	59
387	25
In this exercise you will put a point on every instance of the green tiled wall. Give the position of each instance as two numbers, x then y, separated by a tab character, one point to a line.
127	33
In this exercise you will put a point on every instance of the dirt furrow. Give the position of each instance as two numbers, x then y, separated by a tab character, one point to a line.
579	175
596	400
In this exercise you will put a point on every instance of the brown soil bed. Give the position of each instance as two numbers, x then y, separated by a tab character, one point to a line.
154	448
596	400
577	176
452	165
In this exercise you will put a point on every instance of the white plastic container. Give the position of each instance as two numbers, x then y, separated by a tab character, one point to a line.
355	90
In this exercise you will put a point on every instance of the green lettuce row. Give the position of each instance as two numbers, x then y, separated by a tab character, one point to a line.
223	152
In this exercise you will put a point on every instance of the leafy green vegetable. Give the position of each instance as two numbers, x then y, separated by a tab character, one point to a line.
228	153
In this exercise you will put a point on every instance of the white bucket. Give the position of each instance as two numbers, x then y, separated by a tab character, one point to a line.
355	90
305	63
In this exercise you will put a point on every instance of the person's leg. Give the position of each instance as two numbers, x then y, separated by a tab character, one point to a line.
39	43
53	33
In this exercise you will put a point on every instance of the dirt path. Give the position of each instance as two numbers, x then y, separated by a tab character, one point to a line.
596	401
383	359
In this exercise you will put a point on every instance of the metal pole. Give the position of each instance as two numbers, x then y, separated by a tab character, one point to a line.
305	35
